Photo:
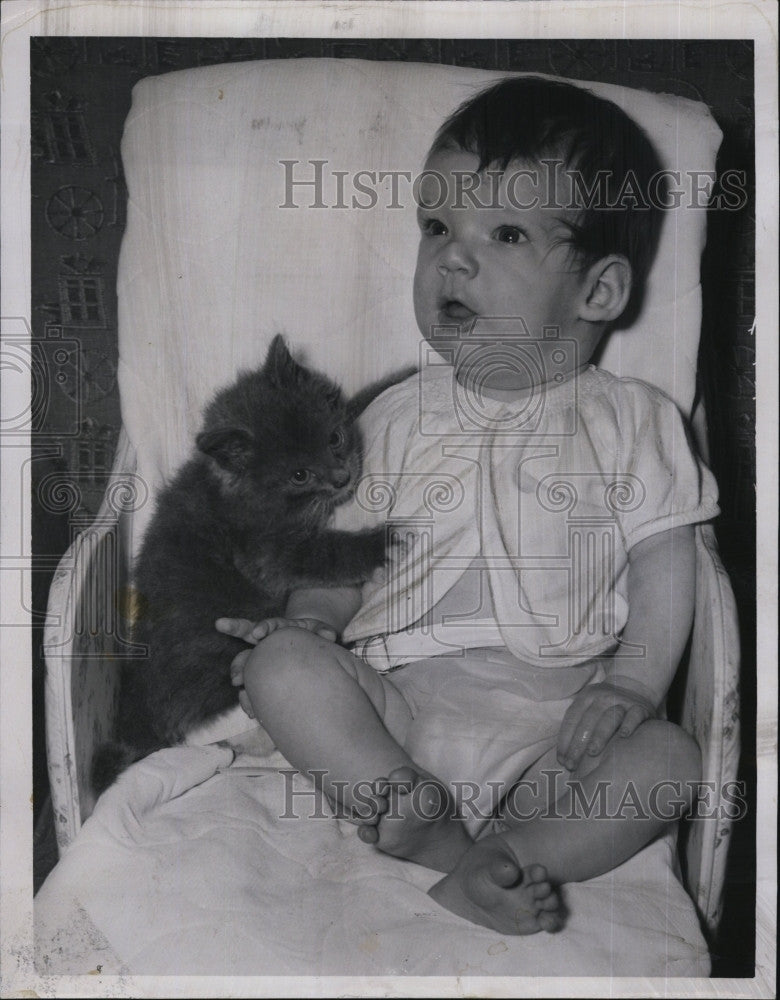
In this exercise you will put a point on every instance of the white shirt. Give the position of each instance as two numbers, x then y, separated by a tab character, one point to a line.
518	516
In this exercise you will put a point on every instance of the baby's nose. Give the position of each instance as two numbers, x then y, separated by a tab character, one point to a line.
456	257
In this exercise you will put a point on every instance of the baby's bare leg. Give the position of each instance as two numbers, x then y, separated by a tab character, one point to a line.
607	810
613	804
323	709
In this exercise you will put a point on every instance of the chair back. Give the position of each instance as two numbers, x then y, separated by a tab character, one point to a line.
277	196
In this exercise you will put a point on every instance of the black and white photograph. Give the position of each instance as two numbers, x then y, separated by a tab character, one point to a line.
389	494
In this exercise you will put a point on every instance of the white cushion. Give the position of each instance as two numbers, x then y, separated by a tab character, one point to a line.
212	882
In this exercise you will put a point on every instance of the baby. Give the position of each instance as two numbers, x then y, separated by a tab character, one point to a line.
494	707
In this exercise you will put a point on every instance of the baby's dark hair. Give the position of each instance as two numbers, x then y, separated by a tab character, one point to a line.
531	119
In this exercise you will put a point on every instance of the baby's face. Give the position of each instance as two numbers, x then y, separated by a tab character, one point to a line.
495	275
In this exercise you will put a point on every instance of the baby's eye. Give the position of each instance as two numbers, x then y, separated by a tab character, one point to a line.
510	234
337	439
300	477
433	227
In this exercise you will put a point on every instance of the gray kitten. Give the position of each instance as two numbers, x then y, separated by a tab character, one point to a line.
242	524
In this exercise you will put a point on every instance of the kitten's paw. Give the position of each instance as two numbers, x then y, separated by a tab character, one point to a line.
375	550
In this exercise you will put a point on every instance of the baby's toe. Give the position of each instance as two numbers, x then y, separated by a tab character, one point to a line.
550	921
535	873
403	779
541	890
368	834
371	811
505	873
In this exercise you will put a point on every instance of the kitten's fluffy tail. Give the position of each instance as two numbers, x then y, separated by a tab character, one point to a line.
110	760
364	397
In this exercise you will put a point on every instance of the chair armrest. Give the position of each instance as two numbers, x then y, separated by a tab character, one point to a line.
85	640
710	713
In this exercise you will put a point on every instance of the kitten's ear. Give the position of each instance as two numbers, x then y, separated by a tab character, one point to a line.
334	396
230	447
280	366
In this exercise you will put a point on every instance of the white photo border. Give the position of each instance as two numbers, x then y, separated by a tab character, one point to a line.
653	19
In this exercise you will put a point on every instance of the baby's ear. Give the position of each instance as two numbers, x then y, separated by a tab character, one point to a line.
230	447
608	287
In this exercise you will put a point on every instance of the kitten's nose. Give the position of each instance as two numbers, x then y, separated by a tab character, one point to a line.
339	477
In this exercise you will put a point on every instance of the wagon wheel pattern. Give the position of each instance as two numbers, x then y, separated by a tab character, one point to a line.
75	212
87	374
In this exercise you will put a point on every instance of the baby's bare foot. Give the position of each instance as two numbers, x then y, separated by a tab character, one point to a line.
489	887
420	822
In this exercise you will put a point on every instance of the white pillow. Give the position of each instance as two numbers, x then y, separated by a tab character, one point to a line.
211	265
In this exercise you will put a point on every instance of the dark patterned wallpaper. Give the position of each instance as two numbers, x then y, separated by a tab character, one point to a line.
80	96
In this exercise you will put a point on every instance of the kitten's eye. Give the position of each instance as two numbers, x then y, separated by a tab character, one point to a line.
337	439
510	234
300	477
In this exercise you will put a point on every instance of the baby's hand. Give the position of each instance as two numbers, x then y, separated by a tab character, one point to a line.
597	713
253	632
237	680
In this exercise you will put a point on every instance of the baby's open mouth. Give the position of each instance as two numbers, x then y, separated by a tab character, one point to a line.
455	310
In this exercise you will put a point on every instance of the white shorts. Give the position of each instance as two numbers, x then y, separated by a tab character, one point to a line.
480	720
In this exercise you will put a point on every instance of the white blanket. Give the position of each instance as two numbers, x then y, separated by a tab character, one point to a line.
186	870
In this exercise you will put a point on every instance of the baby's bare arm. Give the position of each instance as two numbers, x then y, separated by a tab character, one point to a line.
334	606
661	592
324	611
